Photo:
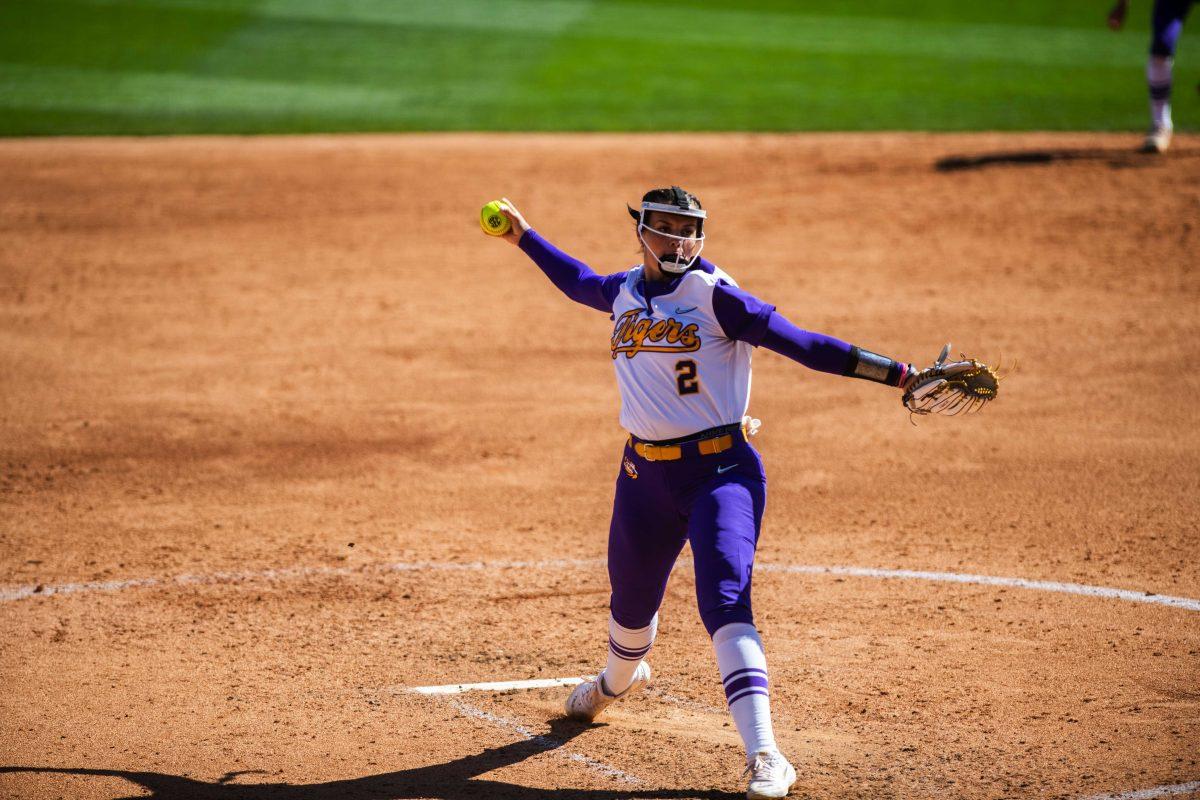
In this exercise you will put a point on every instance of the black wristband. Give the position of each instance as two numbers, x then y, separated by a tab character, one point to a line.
873	367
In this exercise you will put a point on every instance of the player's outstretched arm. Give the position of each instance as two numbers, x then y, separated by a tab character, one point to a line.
746	318
573	278
948	387
827	354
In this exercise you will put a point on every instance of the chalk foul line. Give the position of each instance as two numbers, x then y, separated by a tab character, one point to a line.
12	593
496	686
992	580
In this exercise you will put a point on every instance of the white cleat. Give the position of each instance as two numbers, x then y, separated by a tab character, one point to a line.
588	699
770	775
1157	140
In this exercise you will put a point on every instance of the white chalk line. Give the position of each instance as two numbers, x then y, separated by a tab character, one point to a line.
1149	794
495	686
12	593
546	683
548	743
693	705
992	580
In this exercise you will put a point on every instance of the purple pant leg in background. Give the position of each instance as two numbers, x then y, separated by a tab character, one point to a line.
1166	23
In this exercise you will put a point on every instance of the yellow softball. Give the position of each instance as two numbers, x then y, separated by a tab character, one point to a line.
492	219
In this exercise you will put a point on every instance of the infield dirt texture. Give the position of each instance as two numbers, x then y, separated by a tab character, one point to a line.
278	419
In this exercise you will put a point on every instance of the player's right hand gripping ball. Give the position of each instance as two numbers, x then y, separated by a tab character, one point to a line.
493	221
951	387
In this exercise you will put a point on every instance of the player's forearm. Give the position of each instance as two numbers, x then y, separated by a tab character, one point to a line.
828	354
572	277
813	350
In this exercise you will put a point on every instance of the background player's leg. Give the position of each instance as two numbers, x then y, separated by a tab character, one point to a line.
1166	25
1158	80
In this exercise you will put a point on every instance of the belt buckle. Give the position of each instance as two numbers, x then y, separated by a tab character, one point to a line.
648	451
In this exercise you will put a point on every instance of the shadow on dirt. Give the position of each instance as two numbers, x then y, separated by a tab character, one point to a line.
1117	158
454	779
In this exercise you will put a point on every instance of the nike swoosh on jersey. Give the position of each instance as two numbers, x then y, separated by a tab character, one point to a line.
724	469
679	310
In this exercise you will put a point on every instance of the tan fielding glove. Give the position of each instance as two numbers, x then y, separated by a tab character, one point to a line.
951	387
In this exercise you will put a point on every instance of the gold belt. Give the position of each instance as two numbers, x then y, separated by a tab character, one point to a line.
674	452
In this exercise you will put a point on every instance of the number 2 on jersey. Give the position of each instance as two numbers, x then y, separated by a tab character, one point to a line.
686	378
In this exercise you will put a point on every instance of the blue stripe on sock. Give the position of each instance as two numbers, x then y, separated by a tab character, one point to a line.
745	682
618	646
628	654
738	672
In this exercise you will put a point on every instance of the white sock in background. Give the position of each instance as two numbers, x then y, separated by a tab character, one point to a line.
626	649
1158	78
743	666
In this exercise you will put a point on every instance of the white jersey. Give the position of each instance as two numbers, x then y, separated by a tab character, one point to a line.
677	371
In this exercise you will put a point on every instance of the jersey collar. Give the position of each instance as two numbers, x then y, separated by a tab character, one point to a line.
652	290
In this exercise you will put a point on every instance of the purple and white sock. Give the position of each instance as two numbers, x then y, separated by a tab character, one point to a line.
743	666
626	649
1158	79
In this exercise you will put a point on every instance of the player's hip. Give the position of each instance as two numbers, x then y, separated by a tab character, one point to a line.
722	452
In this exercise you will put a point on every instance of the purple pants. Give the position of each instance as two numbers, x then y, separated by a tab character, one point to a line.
716	503
1166	23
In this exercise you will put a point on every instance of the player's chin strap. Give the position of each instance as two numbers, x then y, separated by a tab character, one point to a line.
668	263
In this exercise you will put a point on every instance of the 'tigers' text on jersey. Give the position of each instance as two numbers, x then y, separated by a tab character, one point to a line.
632	335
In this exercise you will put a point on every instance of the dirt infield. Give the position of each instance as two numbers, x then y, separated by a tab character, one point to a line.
284	435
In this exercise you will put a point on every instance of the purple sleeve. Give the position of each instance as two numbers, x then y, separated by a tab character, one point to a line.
740	314
572	277
813	350
747	319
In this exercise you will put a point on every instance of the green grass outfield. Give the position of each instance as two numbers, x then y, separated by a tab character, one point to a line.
259	66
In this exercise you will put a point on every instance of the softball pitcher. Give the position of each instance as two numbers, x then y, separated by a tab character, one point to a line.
683	335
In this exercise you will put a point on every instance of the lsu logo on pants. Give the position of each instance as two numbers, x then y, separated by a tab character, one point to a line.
630	469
